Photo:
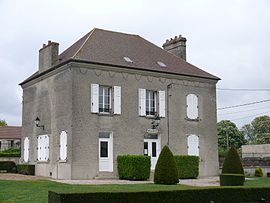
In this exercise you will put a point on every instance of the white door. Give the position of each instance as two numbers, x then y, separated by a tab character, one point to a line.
106	152
152	149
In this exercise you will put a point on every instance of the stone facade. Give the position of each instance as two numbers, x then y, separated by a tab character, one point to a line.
61	98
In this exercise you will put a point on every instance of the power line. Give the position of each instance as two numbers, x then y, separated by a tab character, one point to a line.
246	104
221	114
249	116
243	89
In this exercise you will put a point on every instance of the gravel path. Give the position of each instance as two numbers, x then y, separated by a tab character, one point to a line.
15	176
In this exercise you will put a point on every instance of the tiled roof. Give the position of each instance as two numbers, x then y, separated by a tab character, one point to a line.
10	132
109	48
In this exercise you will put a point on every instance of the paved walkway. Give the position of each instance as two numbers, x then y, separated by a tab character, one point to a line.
208	181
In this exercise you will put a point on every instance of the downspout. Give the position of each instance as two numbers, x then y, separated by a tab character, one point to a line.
168	115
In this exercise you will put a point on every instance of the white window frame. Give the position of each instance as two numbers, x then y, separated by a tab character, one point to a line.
149	106
102	110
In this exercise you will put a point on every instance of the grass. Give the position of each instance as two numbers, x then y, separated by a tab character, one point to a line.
37	190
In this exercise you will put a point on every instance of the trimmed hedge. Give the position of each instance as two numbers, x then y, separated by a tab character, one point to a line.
232	163
188	166
228	179
12	152
8	166
220	195
26	169
133	167
166	171
258	172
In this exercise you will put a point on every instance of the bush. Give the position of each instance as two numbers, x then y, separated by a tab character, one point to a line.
228	179
232	163
166	170
220	195
133	167
258	172
8	166
26	169
11	152
188	166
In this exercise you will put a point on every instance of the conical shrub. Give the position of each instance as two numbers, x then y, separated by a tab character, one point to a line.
232	163
166	170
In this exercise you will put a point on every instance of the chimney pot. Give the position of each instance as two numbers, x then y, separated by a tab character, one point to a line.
44	45
49	42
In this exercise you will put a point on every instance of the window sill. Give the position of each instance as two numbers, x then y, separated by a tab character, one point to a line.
62	161
194	120
42	162
150	116
104	114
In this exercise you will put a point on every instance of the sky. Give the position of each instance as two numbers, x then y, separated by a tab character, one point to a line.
227	38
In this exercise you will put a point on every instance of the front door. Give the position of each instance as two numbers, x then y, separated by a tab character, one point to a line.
152	149
105	152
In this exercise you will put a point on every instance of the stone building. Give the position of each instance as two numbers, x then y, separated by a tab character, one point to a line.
10	137
111	94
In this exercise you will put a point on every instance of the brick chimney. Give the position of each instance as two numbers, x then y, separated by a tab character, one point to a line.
176	46
48	56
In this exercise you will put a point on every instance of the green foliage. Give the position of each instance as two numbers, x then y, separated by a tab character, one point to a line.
133	167
228	179
222	152
261	129
188	166
26	169
232	163
258	172
221	195
235	137
3	123
248	132
11	152
8	166
166	171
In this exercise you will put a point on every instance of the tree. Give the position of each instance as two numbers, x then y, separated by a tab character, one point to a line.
232	163
166	170
261	129
249	135
227	129
3	123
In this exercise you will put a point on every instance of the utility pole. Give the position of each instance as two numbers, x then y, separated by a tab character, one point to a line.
227	139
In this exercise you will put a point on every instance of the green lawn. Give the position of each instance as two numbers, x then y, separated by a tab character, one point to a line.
37	191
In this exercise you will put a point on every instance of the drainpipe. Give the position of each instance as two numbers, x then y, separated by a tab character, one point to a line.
168	115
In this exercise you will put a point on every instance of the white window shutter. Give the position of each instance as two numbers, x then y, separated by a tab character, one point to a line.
117	99
63	145
94	98
192	106
26	149
162	103
193	145
47	149
40	148
142	102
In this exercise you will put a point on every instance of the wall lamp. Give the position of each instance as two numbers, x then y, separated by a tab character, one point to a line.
156	122
37	123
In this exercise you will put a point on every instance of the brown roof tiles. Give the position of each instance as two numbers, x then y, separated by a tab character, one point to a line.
10	132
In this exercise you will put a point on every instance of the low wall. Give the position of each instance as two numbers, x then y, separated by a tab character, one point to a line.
14	159
261	150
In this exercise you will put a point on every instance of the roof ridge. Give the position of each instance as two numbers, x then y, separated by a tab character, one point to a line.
90	33
116	32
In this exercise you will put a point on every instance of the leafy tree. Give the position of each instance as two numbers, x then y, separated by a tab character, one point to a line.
235	137
261	129
249	135
3	123
166	170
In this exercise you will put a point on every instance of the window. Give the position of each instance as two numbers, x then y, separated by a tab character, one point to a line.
192	106
148	102
104	99
127	59
43	148
63	146
193	145
101	99
161	64
151	102
26	149
103	149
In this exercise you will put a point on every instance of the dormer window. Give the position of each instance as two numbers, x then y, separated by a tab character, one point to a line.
127	59
161	64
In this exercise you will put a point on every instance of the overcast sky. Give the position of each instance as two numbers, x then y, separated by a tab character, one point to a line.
230	39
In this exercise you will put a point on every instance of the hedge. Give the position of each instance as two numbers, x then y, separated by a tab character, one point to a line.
11	152
26	169
8	166
188	166
133	167
228	179
220	195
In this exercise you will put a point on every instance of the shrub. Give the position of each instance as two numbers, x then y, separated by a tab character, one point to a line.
166	170
188	166
217	194
26	169
133	167
8	166
258	172
228	179
232	163
11	152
